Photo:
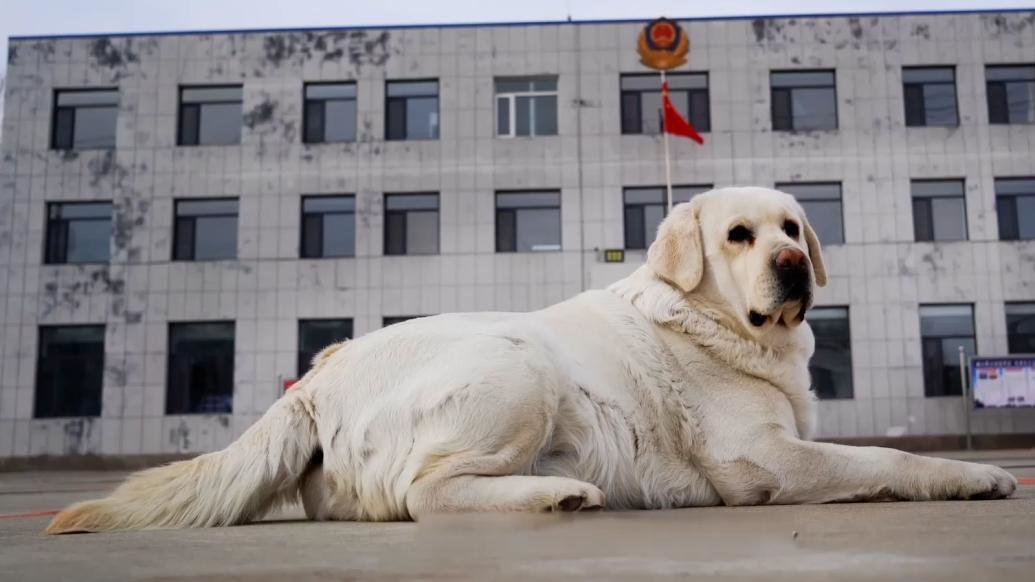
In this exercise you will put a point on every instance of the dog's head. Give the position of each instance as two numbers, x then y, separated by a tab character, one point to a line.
750	252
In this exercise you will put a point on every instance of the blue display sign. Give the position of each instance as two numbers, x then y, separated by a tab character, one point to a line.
1007	382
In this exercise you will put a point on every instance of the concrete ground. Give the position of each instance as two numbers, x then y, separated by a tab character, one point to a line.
973	540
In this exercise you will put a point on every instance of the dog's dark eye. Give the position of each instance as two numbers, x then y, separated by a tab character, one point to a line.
741	233
791	228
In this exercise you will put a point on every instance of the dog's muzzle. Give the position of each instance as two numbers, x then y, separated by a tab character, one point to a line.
792	273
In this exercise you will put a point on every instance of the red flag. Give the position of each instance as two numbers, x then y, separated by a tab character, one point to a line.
674	122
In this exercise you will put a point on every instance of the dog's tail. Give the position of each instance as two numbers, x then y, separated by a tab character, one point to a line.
238	484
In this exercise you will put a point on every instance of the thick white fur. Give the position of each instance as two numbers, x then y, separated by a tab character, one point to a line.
654	393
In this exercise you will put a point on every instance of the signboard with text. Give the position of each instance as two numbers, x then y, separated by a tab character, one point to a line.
1007	382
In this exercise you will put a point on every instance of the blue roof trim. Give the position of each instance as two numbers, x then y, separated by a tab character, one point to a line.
525	23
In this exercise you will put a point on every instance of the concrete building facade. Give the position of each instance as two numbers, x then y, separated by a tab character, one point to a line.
463	195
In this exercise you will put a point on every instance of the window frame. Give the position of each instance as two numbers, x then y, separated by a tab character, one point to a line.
406	119
405	224
511	97
906	85
387	320
929	213
308	104
56	108
851	362
642	206
1011	232
303	362
180	123
840	200
994	119
49	226
1009	336
689	114
169	369
303	230
790	89
924	339
194	228
40	366
516	211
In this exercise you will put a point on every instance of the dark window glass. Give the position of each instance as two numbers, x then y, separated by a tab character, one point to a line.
315	335
210	115
411	110
78	232
201	368
1020	328
528	221
526	106
803	100
641	101
411	224
205	230
831	365
943	328
1011	93
69	371
330	112
939	210
930	96
394	319
84	119
823	208
1015	206
645	208
328	226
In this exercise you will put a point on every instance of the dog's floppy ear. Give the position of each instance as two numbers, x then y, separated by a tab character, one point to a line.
677	255
815	253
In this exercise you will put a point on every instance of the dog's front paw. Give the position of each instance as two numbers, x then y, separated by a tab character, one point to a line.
976	481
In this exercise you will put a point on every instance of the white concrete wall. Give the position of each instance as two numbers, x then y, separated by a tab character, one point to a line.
879	272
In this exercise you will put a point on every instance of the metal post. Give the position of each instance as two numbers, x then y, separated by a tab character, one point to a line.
668	162
965	389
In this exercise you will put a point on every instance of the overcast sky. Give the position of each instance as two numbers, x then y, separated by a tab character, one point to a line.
39	17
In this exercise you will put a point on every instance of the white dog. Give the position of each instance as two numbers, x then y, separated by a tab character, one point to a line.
684	384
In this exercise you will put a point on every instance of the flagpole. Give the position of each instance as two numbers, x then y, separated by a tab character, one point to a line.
668	162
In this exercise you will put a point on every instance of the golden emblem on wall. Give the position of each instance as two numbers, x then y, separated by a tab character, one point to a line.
663	45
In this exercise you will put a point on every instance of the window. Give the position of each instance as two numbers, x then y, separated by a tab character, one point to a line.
328	226
641	101
69	371
831	365
201	368
411	224
646	207
411	110
1011	93
1020	328
803	100
78	232
822	204
210	115
1015	205
330	112
84	119
316	334
394	319
528	221
205	230
930	95
526	106
943	328
939	210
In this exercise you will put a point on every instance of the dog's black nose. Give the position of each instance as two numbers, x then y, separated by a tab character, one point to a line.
792	271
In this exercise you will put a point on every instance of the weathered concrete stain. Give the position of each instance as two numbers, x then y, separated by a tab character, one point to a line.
89	282
180	436
360	47
1000	24
77	436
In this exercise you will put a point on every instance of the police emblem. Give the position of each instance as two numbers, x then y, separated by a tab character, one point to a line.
663	45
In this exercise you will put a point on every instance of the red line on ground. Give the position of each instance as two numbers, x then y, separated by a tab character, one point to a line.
1026	481
29	514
